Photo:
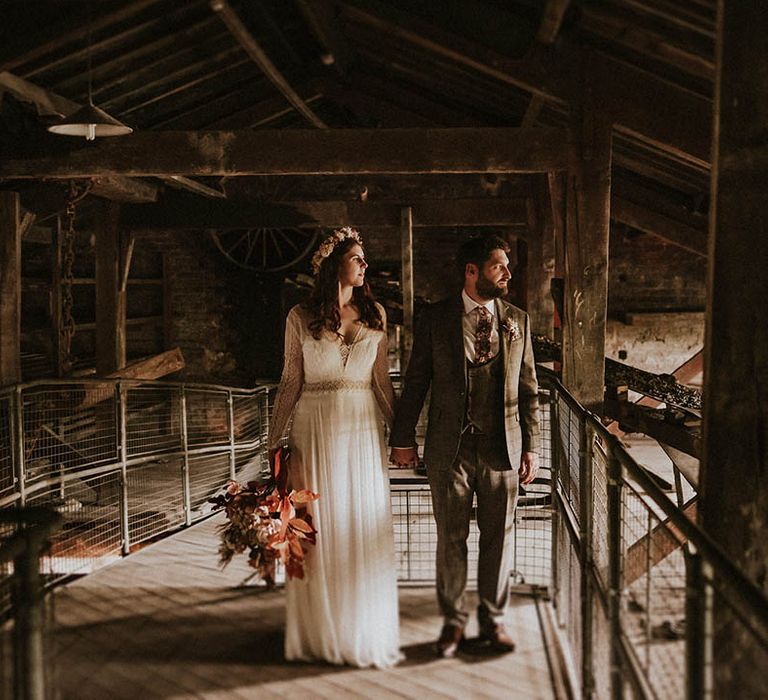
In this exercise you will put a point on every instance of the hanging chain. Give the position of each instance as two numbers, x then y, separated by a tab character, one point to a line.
77	192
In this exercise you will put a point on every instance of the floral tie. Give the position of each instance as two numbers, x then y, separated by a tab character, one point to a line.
483	335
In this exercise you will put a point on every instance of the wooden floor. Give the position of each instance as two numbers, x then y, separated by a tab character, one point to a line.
166	623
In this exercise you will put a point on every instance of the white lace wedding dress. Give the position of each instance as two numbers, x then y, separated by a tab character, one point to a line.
345	610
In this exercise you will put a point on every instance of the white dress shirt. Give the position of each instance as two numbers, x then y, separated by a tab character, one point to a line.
469	323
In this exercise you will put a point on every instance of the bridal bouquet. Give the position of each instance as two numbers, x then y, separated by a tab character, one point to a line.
268	522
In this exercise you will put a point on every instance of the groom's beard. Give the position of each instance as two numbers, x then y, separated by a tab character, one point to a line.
490	290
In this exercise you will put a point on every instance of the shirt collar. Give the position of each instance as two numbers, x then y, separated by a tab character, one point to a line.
470	304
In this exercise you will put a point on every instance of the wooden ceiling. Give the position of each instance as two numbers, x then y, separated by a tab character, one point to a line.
234	65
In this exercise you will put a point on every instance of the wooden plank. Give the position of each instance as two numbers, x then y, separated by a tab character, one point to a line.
406	281
734	465
259	56
298	152
195	214
663	539
636	101
154	367
110	301
586	263
10	288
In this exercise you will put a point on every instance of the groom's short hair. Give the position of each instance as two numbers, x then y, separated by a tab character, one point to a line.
478	249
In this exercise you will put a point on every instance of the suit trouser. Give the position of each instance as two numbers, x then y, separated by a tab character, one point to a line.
452	490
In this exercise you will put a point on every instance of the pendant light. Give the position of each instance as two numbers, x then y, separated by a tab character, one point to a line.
90	121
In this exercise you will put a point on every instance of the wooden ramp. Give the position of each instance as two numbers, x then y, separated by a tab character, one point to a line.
166	623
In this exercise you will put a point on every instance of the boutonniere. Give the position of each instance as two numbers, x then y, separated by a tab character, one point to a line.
512	328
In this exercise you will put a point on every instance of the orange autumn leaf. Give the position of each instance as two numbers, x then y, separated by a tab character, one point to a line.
303	496
301	525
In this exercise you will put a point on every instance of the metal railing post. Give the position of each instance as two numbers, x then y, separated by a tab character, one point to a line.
698	627
585	537
122	437
19	465
29	678
615	483
554	452
185	459
231	420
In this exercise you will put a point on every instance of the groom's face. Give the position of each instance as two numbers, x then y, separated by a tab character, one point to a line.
493	277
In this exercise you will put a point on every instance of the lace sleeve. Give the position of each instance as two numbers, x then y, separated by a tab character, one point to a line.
382	385
291	381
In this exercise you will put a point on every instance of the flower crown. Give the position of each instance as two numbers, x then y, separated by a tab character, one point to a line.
327	246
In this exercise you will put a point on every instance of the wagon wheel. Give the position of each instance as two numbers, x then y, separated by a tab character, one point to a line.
265	249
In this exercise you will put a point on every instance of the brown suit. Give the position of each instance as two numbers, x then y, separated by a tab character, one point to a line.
458	464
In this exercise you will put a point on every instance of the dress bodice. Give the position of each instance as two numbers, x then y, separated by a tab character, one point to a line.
330	359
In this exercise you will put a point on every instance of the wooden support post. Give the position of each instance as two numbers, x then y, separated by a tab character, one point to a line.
541	261
406	281
586	260
10	289
110	301
734	465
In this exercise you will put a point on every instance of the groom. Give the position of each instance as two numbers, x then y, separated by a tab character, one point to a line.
474	351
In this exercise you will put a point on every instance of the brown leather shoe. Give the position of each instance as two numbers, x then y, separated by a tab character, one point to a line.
450	640
498	639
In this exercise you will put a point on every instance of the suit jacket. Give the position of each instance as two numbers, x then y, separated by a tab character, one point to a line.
438	362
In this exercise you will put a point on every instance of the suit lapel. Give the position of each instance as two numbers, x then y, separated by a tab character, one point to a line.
501	316
456	340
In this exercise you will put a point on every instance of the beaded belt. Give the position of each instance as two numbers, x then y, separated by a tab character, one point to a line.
337	385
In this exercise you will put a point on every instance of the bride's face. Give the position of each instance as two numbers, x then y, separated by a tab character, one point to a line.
352	267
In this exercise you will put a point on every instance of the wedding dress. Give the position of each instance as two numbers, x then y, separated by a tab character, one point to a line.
345	610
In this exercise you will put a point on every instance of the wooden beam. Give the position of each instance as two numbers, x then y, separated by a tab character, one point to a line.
185	183
110	301
734	465
46	102
268	110
123	189
541	261
321	18
636	101
80	34
551	20
586	263
298	152
192	214
57	298
675	232
10	289
254	50
640	419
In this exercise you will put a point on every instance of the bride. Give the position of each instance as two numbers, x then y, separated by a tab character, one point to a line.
335	381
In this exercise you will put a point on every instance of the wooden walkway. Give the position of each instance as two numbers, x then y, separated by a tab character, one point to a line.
166	622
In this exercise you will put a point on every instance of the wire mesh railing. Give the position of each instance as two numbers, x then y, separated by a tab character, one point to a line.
635	580
122	461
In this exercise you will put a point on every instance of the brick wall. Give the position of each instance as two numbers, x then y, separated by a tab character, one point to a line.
647	274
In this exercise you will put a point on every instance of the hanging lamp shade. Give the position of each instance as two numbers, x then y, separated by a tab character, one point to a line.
90	121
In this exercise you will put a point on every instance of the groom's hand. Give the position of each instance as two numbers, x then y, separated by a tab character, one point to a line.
404	456
528	467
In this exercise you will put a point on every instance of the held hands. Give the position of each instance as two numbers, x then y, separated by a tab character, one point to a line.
528	467
404	457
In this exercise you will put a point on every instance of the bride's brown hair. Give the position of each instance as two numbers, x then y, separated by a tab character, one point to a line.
323	303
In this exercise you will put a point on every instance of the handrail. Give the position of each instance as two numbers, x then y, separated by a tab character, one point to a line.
751	601
9	389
